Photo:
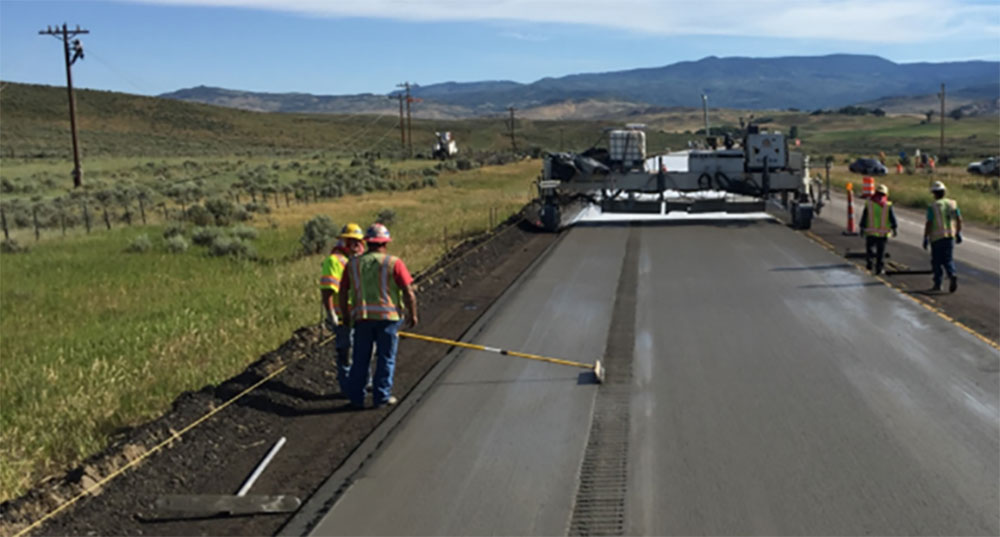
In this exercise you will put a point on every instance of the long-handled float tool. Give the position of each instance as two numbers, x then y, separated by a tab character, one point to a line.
595	367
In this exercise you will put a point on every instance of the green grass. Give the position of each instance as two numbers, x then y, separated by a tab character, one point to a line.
96	339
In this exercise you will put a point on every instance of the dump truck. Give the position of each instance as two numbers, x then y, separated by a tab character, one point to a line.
747	176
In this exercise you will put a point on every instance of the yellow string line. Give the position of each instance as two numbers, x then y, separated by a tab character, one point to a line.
925	305
173	437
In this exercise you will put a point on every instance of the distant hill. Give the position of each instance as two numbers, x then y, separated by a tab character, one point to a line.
807	83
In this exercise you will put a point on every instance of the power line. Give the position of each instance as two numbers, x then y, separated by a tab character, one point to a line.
66	34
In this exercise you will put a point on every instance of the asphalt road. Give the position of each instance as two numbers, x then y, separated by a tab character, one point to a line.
774	389
980	246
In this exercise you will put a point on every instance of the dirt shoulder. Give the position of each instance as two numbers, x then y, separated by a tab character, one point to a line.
302	403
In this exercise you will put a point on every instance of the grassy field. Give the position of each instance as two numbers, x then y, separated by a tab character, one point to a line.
96	339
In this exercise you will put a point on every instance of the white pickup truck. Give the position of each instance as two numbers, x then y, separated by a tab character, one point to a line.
990	166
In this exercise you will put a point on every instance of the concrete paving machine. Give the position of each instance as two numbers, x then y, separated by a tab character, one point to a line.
741	177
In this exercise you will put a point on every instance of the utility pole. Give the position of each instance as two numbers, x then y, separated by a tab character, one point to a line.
66	34
409	124
510	129
402	132
941	95
704	111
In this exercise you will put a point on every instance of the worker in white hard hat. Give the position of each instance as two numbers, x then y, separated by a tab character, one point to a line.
349	244
942	232
380	286
878	220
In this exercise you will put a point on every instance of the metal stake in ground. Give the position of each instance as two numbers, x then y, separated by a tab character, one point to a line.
595	367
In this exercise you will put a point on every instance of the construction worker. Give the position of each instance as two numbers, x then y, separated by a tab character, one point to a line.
380	286
877	221
349	245
943	231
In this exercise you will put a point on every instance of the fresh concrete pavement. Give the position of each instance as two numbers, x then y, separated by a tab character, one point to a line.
775	389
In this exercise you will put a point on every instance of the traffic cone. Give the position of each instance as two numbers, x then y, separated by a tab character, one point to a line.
899	168
850	210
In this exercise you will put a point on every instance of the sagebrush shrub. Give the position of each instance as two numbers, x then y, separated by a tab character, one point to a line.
140	244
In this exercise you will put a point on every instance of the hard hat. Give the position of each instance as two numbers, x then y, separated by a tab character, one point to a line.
938	186
351	231
378	234
883	189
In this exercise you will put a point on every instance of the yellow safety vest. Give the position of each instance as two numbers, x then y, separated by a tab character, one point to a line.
943	217
877	222
333	271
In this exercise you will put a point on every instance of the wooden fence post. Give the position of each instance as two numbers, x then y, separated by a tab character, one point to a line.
3	221
142	211
86	216
34	218
107	221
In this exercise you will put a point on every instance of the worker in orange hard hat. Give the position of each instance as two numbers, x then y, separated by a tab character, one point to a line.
382	291
878	220
348	245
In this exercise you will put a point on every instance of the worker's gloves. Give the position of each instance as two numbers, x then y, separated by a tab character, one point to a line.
331	321
926	242
958	238
895	232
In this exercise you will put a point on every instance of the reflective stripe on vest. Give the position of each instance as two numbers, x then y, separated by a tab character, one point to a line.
877	223
333	272
376	295
338	262
943	226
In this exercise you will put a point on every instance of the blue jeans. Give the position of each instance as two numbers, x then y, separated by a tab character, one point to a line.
342	343
941	259
383	336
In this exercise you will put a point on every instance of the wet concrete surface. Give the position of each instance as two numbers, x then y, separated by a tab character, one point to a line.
776	390
780	391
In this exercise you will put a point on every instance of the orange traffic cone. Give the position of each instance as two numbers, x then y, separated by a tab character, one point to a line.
899	168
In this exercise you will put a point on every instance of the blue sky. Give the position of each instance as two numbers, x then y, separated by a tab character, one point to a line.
356	46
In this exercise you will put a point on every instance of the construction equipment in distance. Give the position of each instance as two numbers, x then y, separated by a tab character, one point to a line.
444	146
742	177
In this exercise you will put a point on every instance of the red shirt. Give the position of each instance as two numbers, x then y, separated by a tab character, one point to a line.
401	274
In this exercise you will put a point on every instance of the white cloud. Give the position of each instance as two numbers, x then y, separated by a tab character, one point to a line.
524	37
874	21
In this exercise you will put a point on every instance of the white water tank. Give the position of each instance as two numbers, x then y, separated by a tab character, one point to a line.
627	147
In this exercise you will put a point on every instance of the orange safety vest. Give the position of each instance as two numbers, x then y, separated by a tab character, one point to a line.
376	295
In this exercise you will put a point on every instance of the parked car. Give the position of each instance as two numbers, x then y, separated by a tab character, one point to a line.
868	166
990	166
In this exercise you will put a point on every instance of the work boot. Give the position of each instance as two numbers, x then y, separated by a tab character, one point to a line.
953	285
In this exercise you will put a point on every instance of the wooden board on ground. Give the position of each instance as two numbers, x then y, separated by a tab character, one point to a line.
210	504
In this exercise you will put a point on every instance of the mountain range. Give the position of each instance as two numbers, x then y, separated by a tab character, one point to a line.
803	82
